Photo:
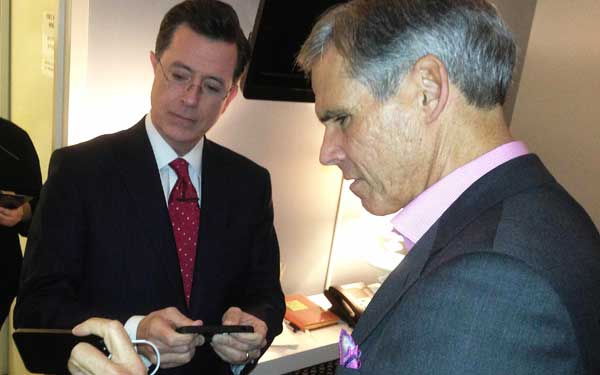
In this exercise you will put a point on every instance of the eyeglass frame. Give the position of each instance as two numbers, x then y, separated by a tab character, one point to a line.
186	86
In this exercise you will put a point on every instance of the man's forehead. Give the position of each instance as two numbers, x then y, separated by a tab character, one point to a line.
335	91
328	73
202	54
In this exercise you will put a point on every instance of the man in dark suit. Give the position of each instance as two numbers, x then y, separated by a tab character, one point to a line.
19	173
158	227
503	270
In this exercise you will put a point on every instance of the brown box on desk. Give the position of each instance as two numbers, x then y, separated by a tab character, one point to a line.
305	314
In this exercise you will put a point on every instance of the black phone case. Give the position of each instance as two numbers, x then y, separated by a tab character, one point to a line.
48	350
210	330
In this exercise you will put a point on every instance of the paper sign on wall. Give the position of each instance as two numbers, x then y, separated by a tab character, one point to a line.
48	42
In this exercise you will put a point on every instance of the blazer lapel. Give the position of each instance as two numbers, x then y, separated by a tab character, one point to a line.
395	285
515	176
135	163
214	211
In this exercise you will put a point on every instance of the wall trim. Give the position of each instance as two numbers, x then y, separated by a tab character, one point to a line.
5	58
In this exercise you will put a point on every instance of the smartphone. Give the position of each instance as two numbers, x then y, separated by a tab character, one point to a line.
48	350
12	200
210	330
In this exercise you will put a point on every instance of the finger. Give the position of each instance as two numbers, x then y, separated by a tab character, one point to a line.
173	315
245	341
232	316
199	340
179	349
260	329
115	338
160	329
229	354
85	359
242	317
169	360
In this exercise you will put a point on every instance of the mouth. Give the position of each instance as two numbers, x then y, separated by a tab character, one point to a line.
180	117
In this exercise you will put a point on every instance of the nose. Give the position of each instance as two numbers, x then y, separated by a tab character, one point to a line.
332	152
191	95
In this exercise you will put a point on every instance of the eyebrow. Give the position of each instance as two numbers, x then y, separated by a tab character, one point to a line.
181	65
330	114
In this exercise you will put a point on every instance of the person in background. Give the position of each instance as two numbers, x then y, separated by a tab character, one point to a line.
503	271
19	173
157	226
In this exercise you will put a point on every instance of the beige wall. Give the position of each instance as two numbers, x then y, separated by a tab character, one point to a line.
4	113
31	90
4	54
557	109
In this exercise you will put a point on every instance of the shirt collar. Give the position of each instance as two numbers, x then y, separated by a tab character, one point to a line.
421	213
164	153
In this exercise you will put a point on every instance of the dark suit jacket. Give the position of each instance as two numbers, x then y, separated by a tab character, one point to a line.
101	243
21	176
507	281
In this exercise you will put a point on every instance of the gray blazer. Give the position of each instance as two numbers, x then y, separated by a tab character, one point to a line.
507	281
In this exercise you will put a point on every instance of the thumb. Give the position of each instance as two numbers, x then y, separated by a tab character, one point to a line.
232	316
177	319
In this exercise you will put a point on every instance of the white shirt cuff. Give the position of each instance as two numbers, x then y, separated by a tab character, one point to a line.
131	326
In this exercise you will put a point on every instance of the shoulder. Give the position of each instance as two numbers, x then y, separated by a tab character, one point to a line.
95	154
13	133
483	306
231	160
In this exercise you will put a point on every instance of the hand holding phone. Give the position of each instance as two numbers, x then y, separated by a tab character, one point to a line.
12	200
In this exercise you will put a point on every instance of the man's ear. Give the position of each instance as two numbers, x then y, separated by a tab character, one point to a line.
153	60
230	97
431	78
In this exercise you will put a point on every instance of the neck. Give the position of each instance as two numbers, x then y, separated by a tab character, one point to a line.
466	137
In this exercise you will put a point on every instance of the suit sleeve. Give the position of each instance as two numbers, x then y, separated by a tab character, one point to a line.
481	313
53	262
32	176
264	297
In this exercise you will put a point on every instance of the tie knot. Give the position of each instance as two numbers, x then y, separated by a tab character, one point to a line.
180	166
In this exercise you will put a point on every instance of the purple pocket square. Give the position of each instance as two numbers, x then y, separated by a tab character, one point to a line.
349	351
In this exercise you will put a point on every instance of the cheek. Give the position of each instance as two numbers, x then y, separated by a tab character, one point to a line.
208	113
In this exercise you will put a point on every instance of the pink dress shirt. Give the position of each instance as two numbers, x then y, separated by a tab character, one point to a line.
422	212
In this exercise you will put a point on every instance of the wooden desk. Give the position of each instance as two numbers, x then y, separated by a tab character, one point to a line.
292	351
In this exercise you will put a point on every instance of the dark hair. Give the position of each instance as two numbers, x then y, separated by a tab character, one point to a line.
210	18
380	40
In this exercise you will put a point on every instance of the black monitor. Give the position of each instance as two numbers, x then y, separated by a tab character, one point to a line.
280	28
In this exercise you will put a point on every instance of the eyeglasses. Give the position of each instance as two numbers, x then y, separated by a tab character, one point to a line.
181	78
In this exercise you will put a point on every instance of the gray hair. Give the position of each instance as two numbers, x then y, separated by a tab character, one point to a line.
380	40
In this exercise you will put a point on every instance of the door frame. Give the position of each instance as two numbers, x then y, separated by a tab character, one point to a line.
4	58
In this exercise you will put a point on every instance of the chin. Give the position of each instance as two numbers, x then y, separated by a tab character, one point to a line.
373	208
378	207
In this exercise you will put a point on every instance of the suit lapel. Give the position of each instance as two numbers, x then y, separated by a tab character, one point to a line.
214	211
517	175
135	163
395	285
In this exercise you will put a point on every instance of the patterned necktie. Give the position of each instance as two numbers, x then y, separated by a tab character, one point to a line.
185	217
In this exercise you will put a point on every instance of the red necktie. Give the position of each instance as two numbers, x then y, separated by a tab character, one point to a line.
185	217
